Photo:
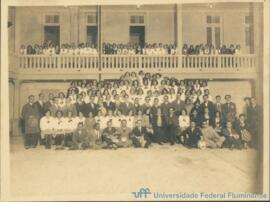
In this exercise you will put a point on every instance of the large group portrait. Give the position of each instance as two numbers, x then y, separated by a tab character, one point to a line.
135	101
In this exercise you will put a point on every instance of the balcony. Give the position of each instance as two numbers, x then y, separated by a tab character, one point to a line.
84	64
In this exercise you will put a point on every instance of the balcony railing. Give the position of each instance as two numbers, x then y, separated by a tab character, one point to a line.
228	63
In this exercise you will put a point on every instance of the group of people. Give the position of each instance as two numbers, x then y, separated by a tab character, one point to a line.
138	110
53	49
127	49
211	50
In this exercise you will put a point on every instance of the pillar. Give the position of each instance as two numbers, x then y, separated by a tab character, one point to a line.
74	25
179	31
16	108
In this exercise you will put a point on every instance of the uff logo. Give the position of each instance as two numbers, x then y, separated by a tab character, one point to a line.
142	193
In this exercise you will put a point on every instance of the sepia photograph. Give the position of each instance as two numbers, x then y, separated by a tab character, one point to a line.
134	101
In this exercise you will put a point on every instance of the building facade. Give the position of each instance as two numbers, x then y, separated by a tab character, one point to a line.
192	24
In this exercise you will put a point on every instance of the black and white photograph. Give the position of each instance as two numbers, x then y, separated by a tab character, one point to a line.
134	101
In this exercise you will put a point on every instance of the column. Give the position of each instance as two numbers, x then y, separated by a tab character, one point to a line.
257	48
179	32
99	29
74	24
16	108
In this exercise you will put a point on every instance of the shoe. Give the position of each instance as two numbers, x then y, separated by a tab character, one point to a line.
160	143
26	147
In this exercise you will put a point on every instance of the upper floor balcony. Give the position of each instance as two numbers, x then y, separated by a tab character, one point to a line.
87	64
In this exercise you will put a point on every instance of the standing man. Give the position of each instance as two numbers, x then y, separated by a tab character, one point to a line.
229	110
31	116
218	104
171	126
253	121
41	109
178	104
92	106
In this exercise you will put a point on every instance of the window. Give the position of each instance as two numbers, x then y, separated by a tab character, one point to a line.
213	30
248	30
137	19
92	19
52	19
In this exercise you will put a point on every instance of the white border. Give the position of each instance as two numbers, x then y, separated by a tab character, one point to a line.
5	146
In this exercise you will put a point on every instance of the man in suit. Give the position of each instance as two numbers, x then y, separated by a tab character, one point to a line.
31	116
146	105
207	104
165	106
254	121
229	110
91	106
95	135
49	103
136	106
124	133
171	127
193	135
108	104
140	136
178	104
41	109
80	138
81	106
126	106
218	104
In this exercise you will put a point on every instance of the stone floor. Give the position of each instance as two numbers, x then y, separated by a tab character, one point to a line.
95	175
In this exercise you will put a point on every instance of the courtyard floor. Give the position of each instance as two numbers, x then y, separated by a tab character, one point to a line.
39	174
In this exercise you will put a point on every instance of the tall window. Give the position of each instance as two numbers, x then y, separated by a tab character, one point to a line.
248	30
91	29
213	30
52	29
137	29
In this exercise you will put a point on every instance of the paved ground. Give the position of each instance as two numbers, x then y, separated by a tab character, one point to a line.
93	175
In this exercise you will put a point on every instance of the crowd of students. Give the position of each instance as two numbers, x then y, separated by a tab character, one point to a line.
127	49
138	110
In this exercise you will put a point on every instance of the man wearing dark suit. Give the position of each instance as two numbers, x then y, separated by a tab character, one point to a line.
193	135
178	104
254	121
140	136
81	106
155	107
126	106
108	104
229	110
171	126
146	105
49	103
41	109
136	106
92	107
218	104
41	104
207	104
165	106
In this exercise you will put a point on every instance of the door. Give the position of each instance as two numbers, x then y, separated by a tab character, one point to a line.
137	35
92	35
52	34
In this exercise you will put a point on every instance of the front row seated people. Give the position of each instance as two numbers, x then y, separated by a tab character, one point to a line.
75	133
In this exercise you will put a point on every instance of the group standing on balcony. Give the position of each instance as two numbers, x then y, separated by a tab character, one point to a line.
139	110
128	49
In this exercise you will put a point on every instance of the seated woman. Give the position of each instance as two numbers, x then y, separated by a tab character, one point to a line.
242	129
193	135
184	123
232	138
47	129
69	128
59	124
